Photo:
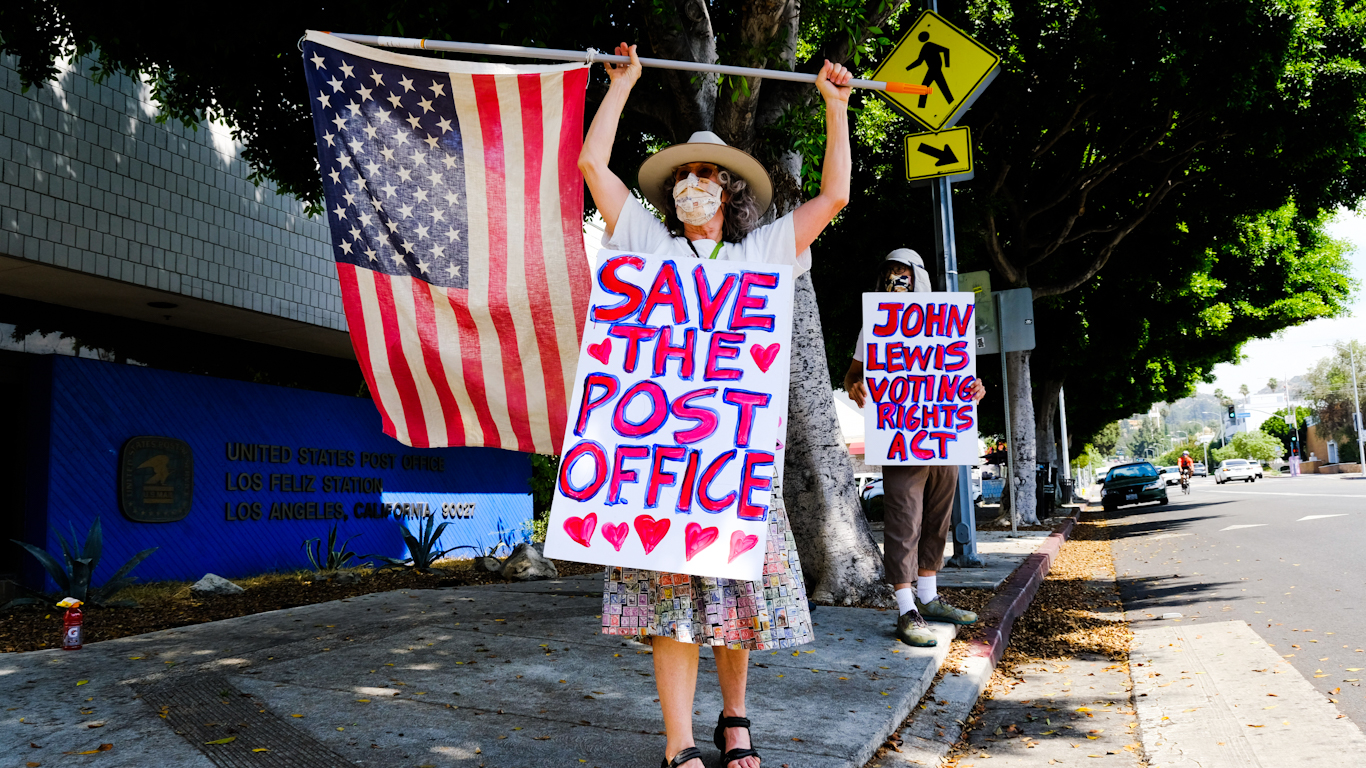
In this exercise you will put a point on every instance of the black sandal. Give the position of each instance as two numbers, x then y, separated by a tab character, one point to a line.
739	753
683	756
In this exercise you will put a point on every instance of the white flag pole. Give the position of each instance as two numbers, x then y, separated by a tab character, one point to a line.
593	55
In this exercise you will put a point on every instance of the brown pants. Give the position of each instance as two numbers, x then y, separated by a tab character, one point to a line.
917	510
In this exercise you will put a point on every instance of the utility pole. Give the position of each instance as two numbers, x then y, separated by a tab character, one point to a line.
1356	401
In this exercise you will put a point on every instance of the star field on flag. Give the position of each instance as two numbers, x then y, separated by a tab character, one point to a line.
455	207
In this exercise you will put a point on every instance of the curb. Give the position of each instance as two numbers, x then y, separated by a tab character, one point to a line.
938	726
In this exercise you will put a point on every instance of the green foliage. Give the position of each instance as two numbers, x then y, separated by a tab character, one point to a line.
1255	445
1196	448
423	549
1148	439
74	573
545	470
333	557
1106	439
1277	428
1333	390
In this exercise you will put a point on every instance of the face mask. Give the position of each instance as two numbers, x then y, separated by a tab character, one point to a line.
696	200
897	284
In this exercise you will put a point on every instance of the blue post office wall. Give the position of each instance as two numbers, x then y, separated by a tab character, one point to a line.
96	407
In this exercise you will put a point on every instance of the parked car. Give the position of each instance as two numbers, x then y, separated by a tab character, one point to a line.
1236	469
871	498
1135	483
1199	470
1171	474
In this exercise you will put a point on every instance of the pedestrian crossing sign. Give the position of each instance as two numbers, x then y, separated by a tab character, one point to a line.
934	52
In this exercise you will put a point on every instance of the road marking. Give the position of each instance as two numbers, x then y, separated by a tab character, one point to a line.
1279	493
1170	535
1236	527
1319	517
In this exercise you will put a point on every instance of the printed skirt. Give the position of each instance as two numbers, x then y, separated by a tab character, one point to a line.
756	615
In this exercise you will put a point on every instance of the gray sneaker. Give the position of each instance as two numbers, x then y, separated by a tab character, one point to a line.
938	610
912	629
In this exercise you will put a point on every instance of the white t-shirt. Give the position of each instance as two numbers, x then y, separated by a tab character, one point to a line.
922	285
774	243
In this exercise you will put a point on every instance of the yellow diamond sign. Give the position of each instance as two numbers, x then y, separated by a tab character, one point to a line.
934	52
943	153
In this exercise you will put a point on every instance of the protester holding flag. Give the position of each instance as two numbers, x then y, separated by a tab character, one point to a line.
918	500
713	197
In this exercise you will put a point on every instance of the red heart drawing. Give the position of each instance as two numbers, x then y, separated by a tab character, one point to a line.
763	356
601	351
696	538
617	534
581	529
651	531
739	544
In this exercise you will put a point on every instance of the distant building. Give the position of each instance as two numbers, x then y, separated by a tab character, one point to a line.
145	248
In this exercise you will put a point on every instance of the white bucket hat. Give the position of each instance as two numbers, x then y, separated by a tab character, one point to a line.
912	259
703	147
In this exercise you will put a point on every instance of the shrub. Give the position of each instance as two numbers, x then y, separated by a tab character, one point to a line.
73	580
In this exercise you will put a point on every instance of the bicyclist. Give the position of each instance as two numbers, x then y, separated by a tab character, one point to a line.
1186	465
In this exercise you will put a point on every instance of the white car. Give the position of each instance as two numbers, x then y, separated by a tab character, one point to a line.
1171	474
1235	469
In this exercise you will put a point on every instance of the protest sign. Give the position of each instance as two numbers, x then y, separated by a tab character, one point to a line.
919	366
668	459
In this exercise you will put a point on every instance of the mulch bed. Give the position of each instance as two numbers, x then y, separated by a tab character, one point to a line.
34	628
1067	617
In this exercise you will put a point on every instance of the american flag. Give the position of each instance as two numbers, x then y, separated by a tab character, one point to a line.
455	205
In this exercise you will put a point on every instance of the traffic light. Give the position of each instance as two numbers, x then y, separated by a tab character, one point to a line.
1295	443
1232	412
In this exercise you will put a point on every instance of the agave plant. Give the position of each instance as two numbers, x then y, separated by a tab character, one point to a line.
334	558
73	579
422	551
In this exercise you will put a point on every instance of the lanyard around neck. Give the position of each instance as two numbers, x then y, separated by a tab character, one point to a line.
714	251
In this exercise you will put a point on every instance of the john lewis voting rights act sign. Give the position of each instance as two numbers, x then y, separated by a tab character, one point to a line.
919	366
668	460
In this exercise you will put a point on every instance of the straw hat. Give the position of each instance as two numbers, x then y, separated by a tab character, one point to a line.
703	147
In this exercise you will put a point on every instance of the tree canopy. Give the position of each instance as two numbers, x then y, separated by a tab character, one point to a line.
1333	390
1157	173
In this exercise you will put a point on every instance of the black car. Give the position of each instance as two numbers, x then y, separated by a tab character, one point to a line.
1136	483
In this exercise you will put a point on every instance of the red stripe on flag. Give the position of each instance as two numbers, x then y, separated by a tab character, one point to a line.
398	363
355	322
495	176
571	199
431	356
472	365
538	285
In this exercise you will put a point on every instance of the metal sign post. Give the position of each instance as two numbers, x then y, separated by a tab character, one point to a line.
1005	401
1065	484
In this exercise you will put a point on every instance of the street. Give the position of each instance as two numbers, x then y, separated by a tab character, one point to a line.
1281	554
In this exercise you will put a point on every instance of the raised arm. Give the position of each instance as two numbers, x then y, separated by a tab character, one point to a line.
609	192
814	214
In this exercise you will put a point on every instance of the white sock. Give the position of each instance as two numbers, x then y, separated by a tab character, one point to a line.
905	601
925	588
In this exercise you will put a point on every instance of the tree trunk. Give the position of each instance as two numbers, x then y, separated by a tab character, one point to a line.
1023	496
840	559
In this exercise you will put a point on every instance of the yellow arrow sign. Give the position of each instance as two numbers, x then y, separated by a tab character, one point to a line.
934	52
943	153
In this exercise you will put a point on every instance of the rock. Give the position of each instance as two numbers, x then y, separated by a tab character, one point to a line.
526	563
345	577
488	564
213	584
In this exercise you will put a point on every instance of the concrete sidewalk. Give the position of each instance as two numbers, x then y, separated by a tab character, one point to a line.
504	675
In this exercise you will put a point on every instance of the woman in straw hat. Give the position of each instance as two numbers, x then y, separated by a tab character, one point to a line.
712	197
